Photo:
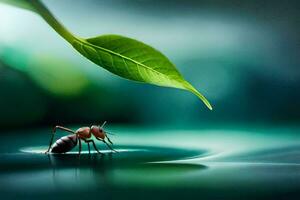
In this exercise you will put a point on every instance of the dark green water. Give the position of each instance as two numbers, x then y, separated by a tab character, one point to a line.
210	163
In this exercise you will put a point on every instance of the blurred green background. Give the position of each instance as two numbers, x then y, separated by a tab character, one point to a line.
242	55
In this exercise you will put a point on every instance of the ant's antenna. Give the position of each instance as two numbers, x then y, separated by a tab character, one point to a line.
106	131
110	133
103	124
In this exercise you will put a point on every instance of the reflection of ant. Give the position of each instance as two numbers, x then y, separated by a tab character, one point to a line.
88	166
67	143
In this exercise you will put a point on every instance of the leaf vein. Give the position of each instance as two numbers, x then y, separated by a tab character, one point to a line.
122	56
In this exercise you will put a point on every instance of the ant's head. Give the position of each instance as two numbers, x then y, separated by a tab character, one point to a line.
98	128
98	131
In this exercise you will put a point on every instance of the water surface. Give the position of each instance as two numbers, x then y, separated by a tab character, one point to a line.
226	163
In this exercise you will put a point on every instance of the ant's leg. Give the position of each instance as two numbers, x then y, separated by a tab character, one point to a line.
89	147
53	133
109	139
88	142
92	141
63	128
107	144
79	140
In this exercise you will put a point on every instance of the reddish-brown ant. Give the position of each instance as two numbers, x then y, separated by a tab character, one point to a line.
67	143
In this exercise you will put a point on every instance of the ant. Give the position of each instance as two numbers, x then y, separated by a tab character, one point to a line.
67	143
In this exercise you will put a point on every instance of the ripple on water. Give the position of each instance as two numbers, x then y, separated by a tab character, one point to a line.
34	158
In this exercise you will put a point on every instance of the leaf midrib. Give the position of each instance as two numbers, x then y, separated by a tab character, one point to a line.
122	56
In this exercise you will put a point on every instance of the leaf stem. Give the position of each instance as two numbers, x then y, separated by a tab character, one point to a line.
52	21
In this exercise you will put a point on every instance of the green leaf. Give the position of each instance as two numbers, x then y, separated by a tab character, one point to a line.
120	55
134	60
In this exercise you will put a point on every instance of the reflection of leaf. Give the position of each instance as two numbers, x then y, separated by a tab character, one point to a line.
133	60
120	55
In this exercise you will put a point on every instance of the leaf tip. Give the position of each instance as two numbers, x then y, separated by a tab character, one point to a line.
209	107
199	95
205	101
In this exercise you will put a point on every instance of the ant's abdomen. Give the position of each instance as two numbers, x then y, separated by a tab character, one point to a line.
64	144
